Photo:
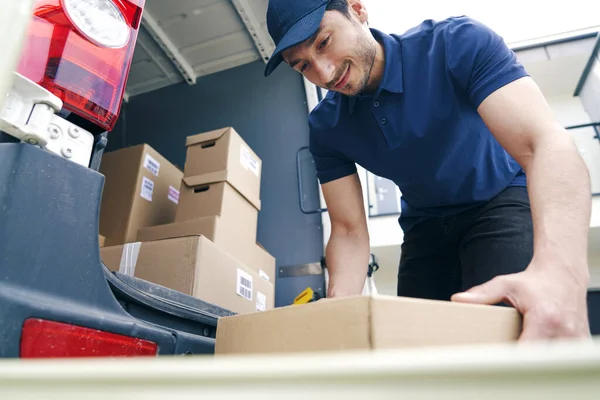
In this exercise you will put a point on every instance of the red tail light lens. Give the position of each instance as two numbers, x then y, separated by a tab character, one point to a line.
49	339
81	50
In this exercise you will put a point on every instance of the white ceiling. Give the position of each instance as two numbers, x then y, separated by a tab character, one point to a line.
181	40
201	36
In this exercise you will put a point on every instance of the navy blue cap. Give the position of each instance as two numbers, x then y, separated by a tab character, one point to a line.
291	22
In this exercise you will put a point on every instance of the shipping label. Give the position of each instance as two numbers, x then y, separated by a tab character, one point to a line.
147	188
151	164
248	161
261	301
244	284
173	195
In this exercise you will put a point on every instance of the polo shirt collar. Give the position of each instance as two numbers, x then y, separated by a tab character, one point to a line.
392	73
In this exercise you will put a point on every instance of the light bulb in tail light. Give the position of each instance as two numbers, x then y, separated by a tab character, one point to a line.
100	21
81	51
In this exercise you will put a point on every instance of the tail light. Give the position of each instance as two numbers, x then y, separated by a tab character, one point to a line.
48	339
81	50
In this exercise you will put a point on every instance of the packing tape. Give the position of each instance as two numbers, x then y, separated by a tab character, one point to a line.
129	258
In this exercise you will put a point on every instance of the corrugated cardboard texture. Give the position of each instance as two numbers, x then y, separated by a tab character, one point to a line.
218	199
222	155
406	322
364	322
216	281
123	210
197	267
331	325
167	263
261	261
228	234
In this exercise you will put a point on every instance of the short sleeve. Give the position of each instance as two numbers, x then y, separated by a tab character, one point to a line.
330	164
479	60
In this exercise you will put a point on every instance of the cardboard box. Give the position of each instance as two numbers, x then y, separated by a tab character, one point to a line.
141	189
220	199
101	240
366	323
222	155
197	267
227	234
261	261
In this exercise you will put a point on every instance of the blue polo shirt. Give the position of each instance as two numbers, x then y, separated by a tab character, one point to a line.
421	129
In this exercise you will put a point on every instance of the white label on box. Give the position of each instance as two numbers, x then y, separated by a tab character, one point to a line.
173	195
263	275
244	284
248	161
151	164
147	188
261	301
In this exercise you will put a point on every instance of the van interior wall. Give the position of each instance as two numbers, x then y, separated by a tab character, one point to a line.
271	116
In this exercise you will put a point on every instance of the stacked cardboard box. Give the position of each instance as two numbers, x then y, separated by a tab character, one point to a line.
219	203
195	266
141	189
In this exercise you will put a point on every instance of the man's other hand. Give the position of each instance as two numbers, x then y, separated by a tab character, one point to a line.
552	301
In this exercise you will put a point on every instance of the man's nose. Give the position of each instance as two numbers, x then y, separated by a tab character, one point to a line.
325	71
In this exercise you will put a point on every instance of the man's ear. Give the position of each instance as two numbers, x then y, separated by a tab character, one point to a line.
358	10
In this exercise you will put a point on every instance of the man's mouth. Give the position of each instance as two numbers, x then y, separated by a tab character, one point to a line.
344	80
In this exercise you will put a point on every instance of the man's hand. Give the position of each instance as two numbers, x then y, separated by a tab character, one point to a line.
551	300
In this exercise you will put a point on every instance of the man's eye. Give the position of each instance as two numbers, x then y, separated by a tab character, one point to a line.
323	43
303	67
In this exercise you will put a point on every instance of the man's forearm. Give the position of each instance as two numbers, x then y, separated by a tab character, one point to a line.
559	190
347	262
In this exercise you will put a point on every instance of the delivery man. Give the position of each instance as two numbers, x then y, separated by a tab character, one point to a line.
448	113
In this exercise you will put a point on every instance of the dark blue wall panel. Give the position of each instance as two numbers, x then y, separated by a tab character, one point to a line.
269	113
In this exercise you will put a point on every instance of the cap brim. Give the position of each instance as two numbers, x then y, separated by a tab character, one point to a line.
298	33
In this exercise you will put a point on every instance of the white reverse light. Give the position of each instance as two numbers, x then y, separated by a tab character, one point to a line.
100	21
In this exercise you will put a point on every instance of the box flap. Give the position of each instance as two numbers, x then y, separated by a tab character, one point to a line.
206	137
220	176
202	226
205	179
398	322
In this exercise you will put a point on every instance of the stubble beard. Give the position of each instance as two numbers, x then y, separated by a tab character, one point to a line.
366	52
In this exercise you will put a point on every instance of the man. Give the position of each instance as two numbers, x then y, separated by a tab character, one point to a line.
448	113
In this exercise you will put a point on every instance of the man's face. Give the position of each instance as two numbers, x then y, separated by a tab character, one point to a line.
339	57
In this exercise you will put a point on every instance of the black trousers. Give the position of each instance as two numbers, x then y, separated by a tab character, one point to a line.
443	256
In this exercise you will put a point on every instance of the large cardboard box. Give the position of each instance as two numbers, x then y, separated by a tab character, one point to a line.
366	323
220	199
222	155
227	234
141	189
195	266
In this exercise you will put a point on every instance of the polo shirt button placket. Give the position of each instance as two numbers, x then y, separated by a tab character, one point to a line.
376	104
383	121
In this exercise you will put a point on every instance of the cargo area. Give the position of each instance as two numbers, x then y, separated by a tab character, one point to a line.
187	255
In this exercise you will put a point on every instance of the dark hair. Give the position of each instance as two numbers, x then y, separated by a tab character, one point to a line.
339	5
